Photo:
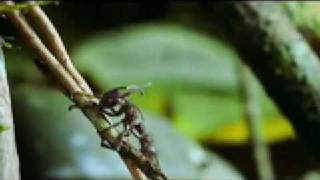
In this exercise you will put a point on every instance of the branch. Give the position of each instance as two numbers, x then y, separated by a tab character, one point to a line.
306	20
37	46
139	166
56	45
252	112
280	57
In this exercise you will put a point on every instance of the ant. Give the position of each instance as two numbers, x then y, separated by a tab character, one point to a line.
116	97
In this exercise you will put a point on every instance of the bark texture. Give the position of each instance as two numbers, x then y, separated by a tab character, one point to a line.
280	57
9	162
305	17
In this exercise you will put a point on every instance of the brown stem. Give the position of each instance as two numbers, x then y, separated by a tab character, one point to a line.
134	170
35	43
56	45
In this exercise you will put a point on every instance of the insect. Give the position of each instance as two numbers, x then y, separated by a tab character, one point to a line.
118	97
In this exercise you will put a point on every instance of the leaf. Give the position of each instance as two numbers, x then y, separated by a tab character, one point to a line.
274	130
165	55
218	118
201	114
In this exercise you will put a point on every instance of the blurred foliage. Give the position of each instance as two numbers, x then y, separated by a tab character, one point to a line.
194	77
67	146
21	68
5	44
219	119
311	175
157	52
195	84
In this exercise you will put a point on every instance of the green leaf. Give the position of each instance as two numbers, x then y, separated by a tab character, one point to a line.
165	55
200	114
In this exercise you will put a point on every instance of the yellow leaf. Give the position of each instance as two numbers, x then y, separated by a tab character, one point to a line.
274	130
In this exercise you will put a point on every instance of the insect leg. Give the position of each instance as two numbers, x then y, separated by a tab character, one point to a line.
123	136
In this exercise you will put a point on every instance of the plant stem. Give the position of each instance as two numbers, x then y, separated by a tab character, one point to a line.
252	111
56	45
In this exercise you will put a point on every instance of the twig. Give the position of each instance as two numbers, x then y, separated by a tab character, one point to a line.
56	45
35	43
252	115
139	166
134	170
